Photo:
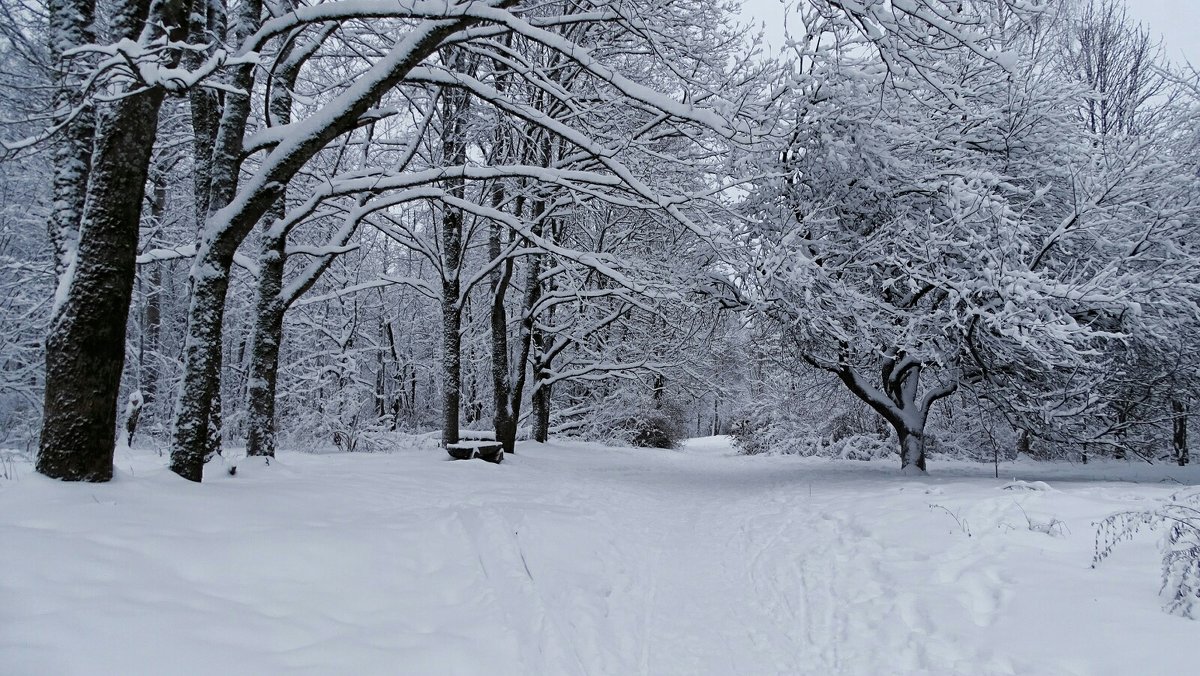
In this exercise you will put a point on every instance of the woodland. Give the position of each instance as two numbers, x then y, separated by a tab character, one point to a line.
959	227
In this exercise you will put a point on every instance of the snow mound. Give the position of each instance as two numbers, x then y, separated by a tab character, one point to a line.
1018	485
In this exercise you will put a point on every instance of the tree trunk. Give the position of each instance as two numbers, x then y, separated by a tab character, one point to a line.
85	347
1179	431
454	152
912	450
541	412
133	413
451	363
716	419
201	364
198	407
264	359
1024	443
1122	420
267	334
206	23
70	27
502	418
900	404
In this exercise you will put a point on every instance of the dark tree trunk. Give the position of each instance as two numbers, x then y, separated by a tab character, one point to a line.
912	449
267	334
85	346
198	409
133	413
206	23
1024	443
1179	431
454	152
540	400
201	365
541	412
502	418
451	362
1122	424
264	359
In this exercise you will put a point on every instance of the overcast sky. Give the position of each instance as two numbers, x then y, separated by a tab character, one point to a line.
1177	21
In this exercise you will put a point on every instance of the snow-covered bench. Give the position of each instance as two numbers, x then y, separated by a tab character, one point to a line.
476	444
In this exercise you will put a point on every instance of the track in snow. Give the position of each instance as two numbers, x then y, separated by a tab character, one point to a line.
571	559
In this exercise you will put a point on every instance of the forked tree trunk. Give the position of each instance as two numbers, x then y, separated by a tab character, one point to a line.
85	346
197	411
900	404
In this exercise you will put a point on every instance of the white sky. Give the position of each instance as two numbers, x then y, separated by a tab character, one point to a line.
1177	21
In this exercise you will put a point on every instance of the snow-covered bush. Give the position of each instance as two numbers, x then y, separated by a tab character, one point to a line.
655	430
1179	519
624	417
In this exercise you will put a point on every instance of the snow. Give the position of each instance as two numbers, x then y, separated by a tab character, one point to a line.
574	558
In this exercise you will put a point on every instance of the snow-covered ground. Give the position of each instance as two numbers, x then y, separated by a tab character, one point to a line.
579	559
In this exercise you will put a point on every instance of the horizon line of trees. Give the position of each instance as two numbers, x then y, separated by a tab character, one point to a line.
929	222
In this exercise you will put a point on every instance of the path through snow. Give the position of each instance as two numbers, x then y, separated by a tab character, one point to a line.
580	559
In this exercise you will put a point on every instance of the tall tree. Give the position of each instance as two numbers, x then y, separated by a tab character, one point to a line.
85	348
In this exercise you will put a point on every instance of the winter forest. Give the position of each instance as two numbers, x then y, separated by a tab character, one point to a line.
864	344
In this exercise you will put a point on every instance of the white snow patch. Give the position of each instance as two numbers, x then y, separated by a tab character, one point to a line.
579	559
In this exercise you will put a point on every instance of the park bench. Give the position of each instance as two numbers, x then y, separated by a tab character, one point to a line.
476	444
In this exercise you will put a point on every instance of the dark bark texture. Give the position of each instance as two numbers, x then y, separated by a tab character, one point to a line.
85	347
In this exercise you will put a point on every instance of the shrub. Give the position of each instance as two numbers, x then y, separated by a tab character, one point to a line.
655	430
1179	518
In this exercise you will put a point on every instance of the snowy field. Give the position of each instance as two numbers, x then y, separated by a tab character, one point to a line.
580	559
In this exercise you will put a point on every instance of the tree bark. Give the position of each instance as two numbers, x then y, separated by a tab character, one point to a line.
1179	431
503	419
270	306
197	411
201	365
85	347
264	359
70	27
541	412
454	152
152	318
912	449
206	23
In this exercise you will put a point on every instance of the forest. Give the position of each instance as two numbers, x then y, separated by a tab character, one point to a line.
931	225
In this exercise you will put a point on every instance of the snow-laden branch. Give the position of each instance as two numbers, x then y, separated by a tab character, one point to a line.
188	251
